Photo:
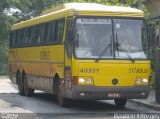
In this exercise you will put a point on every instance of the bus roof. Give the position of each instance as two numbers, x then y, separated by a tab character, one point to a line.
91	7
84	9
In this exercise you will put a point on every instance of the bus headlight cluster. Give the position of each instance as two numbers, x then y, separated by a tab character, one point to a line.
141	81
85	80
81	80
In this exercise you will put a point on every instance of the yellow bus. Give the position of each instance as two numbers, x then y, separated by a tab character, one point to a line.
82	51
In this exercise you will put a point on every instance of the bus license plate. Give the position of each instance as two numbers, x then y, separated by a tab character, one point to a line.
113	95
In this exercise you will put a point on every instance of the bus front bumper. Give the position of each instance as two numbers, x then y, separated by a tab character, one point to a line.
104	93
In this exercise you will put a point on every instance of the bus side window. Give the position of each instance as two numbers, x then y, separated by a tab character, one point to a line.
51	32
42	33
16	39
12	39
59	31
38	35
33	35
25	37
28	36
19	38
46	32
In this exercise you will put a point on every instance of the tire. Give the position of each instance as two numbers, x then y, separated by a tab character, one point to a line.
64	102
27	91
20	84
55	87
120	103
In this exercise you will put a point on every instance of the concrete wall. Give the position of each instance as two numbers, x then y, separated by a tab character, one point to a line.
154	7
158	32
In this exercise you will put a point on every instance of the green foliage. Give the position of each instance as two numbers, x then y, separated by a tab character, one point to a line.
5	23
33	8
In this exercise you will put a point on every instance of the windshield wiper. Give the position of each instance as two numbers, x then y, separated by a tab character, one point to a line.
101	54
86	52
123	50
129	56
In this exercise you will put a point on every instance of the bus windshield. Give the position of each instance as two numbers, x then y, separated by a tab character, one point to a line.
107	38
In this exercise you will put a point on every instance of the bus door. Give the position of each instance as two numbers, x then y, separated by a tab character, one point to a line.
68	56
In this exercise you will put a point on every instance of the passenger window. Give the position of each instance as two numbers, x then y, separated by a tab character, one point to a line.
42	33
19	38
13	39
25	37
29	37
59	31
51	32
46	40
33	35
10	39
38	36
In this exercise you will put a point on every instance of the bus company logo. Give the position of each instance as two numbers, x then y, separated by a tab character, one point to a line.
44	54
138	70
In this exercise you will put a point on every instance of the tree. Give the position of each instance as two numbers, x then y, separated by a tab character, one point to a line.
5	23
33	8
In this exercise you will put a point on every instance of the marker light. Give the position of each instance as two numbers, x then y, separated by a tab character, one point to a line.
89	81
138	81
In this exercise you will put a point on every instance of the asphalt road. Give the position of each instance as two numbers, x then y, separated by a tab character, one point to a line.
44	106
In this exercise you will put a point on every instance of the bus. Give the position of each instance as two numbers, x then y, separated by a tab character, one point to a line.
82	51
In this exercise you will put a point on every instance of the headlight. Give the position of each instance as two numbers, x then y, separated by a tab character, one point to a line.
81	80
85	81
141	81
145	80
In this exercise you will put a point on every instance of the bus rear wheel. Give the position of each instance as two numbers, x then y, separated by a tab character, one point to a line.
27	91
20	84
120	103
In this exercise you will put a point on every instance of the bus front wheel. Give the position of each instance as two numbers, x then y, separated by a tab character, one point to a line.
120	103
61	99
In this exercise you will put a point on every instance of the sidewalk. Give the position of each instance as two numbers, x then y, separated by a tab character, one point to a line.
6	86
149	102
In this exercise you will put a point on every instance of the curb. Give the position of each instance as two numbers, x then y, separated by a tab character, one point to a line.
153	106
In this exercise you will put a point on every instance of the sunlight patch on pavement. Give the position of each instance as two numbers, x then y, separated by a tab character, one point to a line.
6	86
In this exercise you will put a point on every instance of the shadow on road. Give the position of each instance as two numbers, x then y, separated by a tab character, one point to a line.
80	105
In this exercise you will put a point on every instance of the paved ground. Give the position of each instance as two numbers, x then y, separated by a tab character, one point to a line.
150	101
44	106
